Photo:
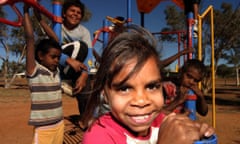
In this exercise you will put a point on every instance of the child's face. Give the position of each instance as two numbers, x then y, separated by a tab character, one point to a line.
191	77
73	16
137	102
51	59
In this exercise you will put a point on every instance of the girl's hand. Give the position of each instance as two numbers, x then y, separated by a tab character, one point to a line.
177	129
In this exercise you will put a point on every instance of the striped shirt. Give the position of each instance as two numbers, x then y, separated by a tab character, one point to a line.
46	96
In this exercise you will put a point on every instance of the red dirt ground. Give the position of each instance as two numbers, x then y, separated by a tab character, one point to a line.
15	105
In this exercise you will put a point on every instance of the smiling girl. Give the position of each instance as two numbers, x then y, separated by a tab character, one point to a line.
129	80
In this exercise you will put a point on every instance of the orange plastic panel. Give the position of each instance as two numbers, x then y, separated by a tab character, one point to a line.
179	3
146	6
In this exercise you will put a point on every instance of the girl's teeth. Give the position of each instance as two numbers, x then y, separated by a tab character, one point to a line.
140	118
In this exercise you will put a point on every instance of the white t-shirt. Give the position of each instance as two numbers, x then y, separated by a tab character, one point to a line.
78	33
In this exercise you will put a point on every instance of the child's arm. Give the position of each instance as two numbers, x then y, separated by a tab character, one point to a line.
30	56
178	100
171	59
81	82
75	64
201	104
47	29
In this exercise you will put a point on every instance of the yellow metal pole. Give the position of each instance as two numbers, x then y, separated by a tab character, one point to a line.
200	43
206	11
213	71
199	38
209	9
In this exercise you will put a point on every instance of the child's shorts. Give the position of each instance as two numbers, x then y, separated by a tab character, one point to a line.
51	134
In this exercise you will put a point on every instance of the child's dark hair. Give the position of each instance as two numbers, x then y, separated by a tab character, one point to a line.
133	43
196	64
44	45
69	3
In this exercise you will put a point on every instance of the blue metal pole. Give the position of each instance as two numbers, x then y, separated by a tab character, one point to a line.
190	21
190	104
105	33
57	27
129	14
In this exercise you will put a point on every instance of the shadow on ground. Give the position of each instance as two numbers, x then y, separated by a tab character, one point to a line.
226	96
73	132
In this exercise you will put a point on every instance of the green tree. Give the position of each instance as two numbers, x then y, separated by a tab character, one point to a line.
233	58
2	26
175	21
3	34
226	33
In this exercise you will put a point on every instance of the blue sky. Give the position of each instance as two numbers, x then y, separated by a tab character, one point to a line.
154	21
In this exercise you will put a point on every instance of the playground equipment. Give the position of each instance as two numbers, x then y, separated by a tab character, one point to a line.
33	3
107	31
200	17
144	6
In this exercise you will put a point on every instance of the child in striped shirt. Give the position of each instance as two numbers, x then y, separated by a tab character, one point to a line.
42	62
